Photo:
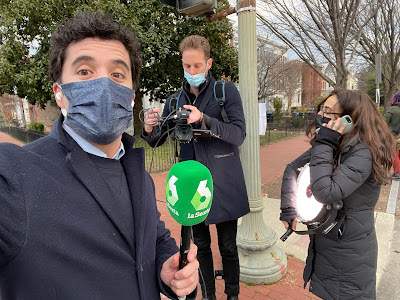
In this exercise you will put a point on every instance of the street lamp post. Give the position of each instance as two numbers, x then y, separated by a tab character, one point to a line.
260	260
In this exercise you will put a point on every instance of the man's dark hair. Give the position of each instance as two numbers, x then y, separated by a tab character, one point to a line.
91	25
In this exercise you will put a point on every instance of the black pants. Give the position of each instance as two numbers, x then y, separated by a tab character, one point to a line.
230	260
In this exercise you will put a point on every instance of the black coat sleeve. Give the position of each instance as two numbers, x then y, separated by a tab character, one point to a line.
328	184
12	205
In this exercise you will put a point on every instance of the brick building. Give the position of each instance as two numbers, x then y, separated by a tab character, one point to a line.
312	85
47	115
17	111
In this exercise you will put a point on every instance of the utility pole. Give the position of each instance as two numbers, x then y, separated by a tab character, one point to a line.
260	260
378	78
378	72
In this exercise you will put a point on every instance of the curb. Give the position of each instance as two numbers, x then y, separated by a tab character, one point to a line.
384	225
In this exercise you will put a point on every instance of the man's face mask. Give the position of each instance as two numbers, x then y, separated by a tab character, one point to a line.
99	110
197	79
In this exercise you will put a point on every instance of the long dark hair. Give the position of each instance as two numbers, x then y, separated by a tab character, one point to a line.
369	127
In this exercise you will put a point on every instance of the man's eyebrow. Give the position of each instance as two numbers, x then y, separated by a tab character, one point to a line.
89	58
82	58
121	62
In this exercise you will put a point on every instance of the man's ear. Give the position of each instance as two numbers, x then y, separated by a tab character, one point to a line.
58	94
209	63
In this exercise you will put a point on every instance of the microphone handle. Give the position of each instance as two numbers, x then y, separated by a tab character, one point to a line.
186	234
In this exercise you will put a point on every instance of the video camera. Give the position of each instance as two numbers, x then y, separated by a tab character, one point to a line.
184	133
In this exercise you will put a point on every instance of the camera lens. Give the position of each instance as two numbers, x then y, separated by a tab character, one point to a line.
183	132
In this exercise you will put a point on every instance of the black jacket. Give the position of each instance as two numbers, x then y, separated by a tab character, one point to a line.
392	118
220	152
60	235
341	264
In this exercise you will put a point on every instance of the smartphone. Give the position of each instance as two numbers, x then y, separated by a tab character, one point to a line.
345	119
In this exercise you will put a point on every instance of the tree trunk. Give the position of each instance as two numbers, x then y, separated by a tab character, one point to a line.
341	72
390	89
137	124
289	105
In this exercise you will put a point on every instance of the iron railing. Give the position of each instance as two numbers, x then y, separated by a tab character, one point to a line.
162	158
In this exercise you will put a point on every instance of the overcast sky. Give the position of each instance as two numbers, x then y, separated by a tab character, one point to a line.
260	10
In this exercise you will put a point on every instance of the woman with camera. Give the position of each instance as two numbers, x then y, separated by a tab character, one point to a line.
347	165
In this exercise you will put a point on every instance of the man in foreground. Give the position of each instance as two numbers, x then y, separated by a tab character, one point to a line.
78	213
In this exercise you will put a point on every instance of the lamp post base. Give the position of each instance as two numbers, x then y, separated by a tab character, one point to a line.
262	267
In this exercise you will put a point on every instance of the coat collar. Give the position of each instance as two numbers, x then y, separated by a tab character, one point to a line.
204	93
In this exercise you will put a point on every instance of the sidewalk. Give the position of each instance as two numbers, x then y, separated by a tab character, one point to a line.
273	160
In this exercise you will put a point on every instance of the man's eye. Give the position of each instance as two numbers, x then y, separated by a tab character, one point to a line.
84	72
118	75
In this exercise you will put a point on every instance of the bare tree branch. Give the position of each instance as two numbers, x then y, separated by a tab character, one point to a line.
320	32
383	36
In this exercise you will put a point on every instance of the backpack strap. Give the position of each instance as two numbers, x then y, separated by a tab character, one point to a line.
219	95
175	100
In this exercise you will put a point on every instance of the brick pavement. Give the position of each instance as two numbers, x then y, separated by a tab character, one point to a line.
5	138
273	160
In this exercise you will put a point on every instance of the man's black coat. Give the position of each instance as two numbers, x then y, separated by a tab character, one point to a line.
220	152
60	235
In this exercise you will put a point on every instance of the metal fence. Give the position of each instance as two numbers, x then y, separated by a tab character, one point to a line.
23	135
159	159
162	158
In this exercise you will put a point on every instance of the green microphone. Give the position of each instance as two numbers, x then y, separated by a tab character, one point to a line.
188	194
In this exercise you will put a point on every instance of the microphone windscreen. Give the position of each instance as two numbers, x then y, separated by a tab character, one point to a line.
189	192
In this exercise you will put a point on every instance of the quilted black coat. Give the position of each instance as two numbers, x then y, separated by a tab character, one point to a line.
342	263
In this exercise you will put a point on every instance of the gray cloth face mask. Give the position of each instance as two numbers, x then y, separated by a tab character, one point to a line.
99	110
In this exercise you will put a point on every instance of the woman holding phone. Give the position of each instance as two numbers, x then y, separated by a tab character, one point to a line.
347	165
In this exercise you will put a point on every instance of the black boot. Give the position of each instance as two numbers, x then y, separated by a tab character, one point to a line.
232	298
212	297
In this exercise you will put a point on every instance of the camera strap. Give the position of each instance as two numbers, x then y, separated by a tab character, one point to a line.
175	100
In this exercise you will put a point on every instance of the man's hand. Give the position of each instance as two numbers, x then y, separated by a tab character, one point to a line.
182	282
151	119
195	114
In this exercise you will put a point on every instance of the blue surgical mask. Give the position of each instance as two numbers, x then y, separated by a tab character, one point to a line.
99	110
197	79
